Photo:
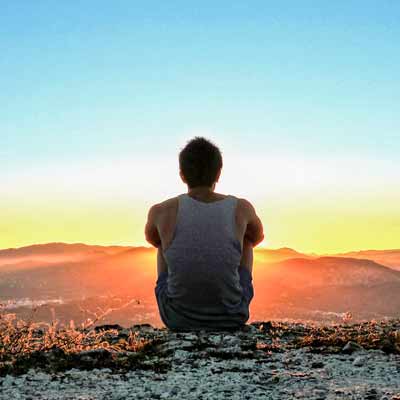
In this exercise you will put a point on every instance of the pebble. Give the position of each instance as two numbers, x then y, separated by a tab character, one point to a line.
352	347
359	361
317	364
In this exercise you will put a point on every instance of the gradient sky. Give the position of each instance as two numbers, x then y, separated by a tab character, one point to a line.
97	98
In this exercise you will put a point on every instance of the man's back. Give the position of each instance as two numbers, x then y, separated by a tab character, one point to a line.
202	246
247	223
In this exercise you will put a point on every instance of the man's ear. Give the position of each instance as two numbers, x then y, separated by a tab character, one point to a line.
218	175
182	176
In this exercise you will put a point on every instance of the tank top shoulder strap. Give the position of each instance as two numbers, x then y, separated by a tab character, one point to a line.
182	208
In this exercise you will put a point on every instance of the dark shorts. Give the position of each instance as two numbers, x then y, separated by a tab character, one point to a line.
246	281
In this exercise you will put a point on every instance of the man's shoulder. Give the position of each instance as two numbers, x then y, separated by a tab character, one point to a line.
165	205
171	201
245	205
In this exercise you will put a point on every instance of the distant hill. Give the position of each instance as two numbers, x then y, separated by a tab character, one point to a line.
275	255
328	284
328	271
48	254
76	270
58	248
390	258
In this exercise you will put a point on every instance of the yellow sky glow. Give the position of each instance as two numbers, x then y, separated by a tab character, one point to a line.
309	204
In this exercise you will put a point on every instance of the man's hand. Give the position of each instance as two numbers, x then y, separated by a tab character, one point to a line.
150	230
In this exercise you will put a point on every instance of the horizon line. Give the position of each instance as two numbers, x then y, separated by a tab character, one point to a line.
152	247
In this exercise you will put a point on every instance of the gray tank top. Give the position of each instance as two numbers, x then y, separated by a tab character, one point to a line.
203	259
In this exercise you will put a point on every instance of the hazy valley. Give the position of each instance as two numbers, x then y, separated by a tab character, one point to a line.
76	282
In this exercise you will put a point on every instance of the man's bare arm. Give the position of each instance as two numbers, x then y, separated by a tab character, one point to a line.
162	265
150	230
247	255
254	230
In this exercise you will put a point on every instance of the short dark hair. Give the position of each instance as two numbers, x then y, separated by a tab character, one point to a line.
200	161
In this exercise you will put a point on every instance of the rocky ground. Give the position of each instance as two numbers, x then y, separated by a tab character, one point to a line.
264	360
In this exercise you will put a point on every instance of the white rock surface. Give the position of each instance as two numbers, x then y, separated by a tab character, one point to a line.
278	376
222	366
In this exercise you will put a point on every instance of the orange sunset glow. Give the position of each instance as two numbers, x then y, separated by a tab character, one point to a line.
313	206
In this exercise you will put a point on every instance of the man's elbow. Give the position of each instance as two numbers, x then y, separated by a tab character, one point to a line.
255	239
258	240
156	242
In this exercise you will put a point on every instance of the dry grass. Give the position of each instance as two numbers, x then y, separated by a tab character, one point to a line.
20	337
370	335
23	337
383	335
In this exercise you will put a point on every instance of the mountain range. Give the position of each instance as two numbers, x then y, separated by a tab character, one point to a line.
287	283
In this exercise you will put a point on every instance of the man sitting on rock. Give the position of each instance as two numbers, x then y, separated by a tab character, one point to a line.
205	246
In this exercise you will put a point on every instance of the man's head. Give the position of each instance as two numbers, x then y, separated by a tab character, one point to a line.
200	162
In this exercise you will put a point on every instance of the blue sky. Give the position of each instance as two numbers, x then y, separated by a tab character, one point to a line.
310	88
92	77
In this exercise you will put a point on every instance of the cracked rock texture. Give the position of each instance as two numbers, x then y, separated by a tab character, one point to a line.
264	360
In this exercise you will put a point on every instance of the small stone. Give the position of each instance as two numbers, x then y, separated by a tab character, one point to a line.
230	341
108	327
251	329
175	390
352	347
371	394
191	337
317	364
263	326
359	361
320	394
181	355
215	340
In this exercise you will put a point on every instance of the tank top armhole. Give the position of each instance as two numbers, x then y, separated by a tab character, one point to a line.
234	209
180	199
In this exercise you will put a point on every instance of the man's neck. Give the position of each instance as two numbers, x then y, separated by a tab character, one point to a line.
201	191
